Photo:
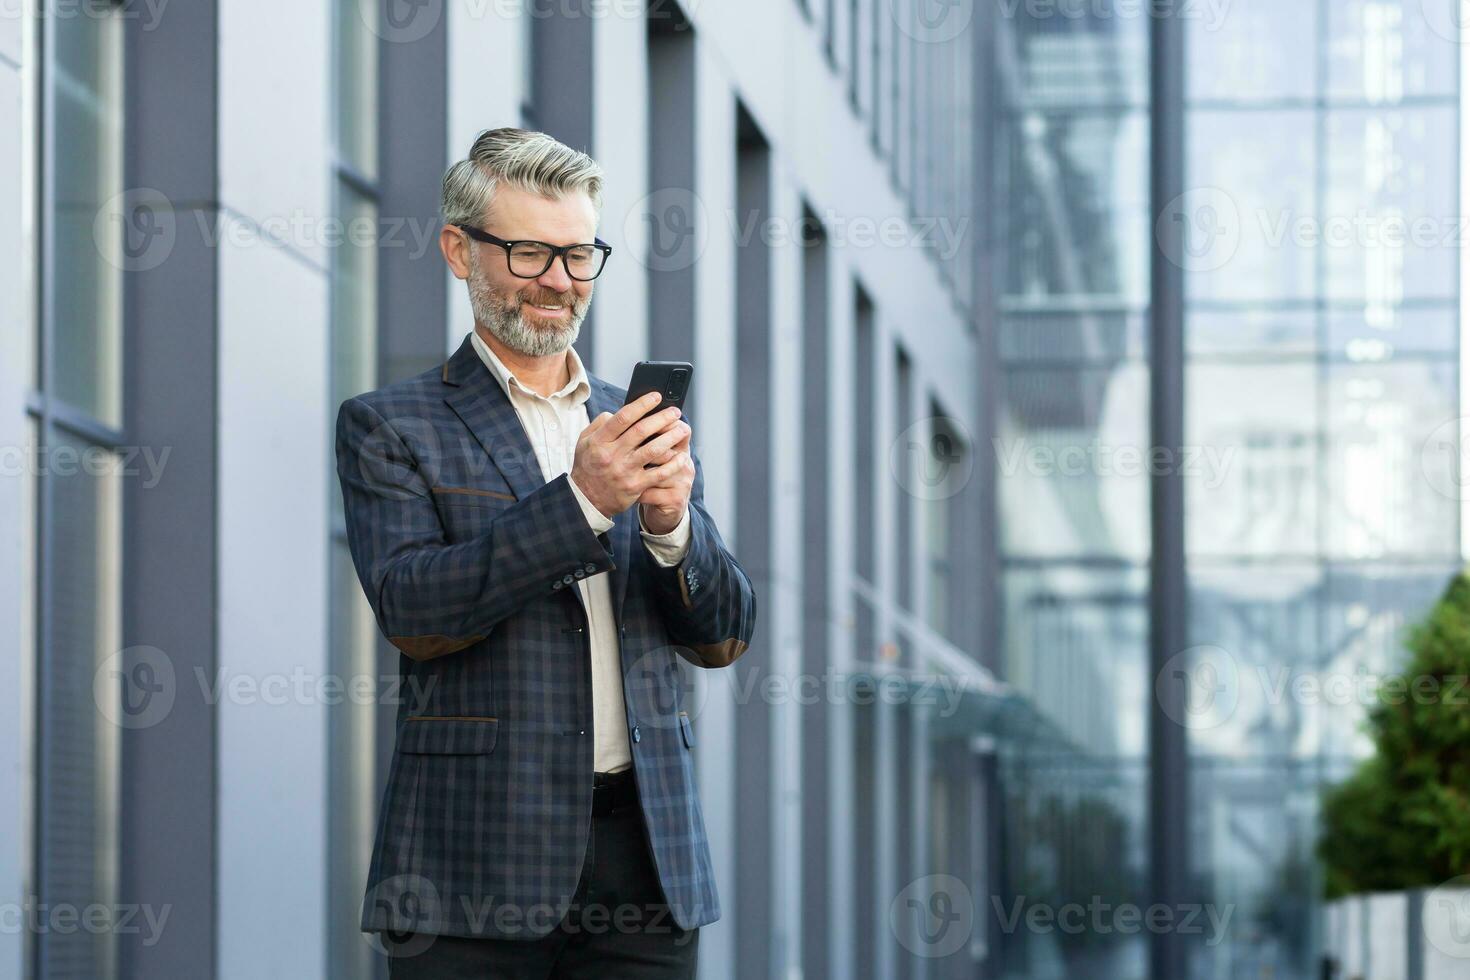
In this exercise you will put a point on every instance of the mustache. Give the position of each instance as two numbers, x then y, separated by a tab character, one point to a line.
548	300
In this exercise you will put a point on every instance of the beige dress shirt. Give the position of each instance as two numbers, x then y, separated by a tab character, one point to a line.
552	425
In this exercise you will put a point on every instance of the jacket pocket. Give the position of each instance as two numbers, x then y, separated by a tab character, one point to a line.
448	735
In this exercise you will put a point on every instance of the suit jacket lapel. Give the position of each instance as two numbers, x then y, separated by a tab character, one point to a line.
486	411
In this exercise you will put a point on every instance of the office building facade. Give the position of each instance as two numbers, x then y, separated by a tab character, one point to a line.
907	245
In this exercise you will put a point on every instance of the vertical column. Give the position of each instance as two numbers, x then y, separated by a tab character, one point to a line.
717	420
817	593
839	458
788	443
672	221
18	282
625	109
484	86
563	67
1168	589
413	94
168	791
755	780
274	471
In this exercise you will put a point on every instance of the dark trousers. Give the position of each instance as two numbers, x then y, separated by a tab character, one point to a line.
617	928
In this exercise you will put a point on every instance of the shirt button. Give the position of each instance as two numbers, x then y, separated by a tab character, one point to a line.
637	735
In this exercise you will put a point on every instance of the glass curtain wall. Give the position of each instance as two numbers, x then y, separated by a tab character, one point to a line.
1322	342
1321	257
1070	199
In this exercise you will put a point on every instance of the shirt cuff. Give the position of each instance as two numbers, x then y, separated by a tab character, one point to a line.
596	519
667	549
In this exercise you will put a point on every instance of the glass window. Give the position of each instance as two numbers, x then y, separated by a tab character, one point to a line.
79	737
1251	51
1076	221
1383	51
1390	227
87	240
1255	331
1246	234
78	539
1389	490
357	87
1074	785
1072	472
1251	485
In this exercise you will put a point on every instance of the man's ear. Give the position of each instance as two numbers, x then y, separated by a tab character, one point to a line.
455	246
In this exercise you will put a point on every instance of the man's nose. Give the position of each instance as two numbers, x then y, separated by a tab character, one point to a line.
556	277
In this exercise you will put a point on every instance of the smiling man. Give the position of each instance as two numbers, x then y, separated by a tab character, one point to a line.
541	555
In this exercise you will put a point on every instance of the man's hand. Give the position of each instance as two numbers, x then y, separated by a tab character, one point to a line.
608	465
663	504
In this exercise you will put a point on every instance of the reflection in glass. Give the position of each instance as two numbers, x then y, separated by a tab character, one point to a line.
1071	456
1388	490
85	95
357	84
78	806
1074	785
1252	433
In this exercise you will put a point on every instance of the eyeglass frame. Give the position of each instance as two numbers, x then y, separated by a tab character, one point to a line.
556	251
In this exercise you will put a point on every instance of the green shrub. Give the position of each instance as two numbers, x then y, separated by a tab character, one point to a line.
1402	820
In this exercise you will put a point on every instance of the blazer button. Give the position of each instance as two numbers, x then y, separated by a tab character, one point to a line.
637	735
567	580
580	574
590	567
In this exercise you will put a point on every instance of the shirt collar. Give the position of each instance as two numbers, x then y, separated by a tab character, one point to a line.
578	388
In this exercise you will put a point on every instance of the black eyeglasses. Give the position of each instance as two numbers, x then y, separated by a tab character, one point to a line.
528	259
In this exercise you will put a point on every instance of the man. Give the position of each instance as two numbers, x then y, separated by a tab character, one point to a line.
540	572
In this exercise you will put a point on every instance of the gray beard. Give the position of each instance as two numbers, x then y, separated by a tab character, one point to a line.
502	316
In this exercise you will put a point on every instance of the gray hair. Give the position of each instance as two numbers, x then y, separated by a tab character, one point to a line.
532	161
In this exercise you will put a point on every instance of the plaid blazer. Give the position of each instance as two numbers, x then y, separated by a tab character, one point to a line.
469	558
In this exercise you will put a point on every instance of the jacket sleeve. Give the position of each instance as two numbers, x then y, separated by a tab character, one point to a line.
430	597
707	601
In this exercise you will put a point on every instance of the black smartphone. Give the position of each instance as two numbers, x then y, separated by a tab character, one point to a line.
669	378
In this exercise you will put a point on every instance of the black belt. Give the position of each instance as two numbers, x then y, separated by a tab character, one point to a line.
613	791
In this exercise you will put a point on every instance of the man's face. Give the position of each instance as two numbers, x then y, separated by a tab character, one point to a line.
540	316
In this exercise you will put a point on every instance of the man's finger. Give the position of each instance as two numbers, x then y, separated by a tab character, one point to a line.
651	426
665	475
632	412
657	450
